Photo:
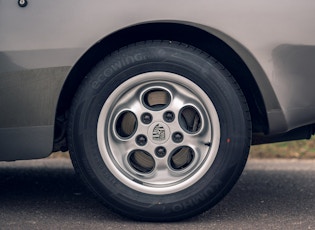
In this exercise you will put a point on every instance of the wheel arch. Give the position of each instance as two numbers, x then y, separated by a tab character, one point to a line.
240	62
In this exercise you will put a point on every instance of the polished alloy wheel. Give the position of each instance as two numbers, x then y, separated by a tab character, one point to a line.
158	133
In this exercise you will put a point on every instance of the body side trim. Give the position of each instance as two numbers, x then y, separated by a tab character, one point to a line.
33	142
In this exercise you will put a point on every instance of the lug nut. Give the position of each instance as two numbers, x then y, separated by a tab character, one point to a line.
169	116
160	151
141	140
177	137
146	118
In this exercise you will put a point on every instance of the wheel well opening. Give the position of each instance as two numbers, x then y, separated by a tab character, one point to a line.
164	31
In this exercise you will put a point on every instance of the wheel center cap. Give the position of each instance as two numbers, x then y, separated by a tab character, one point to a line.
159	132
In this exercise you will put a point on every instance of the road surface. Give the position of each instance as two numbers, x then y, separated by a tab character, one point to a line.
45	194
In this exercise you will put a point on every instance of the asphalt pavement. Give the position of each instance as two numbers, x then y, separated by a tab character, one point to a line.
46	194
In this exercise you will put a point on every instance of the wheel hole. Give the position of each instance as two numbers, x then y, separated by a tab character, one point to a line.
190	119
126	124
141	161
181	158
156	99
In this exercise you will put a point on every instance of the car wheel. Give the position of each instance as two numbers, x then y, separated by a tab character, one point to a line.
159	130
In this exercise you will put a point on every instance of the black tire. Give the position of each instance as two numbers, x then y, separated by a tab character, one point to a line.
159	130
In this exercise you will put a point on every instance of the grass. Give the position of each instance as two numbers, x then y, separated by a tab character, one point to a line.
304	149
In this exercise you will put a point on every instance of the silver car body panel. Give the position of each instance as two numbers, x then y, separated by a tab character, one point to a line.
39	44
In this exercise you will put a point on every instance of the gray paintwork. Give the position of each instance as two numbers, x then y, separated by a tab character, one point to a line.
39	44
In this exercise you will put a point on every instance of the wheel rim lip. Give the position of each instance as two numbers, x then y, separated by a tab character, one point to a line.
120	171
